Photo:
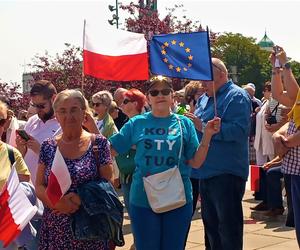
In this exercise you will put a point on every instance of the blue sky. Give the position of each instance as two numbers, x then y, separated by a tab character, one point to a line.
28	28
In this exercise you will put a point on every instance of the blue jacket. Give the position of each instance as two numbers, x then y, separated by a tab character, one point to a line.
228	151
100	216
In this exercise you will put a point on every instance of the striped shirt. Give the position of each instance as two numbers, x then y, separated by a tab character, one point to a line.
291	160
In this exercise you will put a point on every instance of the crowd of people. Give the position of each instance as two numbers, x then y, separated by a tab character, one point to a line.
207	134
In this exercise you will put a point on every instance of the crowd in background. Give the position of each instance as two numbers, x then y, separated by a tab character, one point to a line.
210	130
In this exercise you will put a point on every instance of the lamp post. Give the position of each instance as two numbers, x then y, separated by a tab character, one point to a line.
115	17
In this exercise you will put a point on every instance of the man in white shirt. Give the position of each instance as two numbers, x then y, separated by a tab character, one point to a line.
40	126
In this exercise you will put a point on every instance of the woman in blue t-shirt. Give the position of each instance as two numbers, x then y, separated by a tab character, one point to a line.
157	136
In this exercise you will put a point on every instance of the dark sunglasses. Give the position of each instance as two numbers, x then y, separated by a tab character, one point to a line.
127	101
97	104
164	92
2	121
38	106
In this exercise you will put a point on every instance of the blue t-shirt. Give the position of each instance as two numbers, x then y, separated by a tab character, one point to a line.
157	143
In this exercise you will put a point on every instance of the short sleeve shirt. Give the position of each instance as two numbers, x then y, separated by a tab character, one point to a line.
157	142
5	165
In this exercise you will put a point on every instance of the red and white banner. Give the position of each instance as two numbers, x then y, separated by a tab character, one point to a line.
15	209
113	54
59	180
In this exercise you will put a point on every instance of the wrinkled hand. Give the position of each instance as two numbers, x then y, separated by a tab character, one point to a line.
68	204
272	127
213	126
281	55
34	145
21	144
197	122
279	147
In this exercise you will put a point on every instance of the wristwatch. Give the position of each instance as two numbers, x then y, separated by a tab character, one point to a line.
287	65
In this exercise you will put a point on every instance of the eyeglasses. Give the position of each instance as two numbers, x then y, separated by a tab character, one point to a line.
164	92
73	111
125	101
2	121
38	106
97	104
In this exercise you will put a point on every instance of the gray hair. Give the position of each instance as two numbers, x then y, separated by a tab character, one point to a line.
70	93
104	97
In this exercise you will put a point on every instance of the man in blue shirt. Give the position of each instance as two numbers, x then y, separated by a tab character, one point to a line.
225	171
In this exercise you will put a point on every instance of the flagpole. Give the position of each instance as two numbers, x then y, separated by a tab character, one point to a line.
214	88
83	43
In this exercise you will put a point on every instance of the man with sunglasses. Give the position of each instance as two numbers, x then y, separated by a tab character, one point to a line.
40	126
224	173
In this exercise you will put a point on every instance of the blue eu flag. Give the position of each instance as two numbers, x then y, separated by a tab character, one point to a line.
182	55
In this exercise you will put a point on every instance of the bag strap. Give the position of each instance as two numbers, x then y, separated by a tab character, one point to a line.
11	155
275	109
96	151
181	139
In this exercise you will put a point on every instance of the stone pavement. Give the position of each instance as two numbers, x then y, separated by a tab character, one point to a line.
260	232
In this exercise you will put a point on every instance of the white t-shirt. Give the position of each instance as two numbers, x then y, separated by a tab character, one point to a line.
40	131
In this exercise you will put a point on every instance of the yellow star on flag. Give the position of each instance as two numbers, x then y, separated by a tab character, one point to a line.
187	50
173	42
178	69
189	65
163	52
185	69
165	60
181	44
166	44
171	66
190	57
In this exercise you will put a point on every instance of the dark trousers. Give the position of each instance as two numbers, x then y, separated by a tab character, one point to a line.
222	212
295	182
290	215
270	186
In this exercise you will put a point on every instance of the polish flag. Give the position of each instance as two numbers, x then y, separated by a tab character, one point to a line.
15	209
59	180
113	54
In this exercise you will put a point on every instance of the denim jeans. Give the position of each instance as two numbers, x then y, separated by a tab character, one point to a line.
222	212
270	186
164	231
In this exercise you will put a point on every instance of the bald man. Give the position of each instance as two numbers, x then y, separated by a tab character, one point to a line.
224	173
118	98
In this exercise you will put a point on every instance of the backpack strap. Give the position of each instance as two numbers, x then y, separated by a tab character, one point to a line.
95	151
11	155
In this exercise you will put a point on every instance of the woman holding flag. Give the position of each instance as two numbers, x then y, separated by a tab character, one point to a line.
76	165
163	141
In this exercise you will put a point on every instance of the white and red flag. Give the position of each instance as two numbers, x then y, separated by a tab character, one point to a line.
59	180
113	54
15	209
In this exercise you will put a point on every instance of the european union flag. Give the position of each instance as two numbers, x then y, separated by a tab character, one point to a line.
182	55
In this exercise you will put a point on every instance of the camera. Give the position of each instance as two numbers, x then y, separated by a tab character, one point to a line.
271	119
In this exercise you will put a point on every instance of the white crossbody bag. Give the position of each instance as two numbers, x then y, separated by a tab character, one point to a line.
165	191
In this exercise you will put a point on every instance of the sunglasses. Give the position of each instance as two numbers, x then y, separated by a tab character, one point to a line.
127	101
156	92
97	104
38	106
2	121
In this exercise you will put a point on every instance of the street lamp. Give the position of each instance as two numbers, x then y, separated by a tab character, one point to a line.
115	17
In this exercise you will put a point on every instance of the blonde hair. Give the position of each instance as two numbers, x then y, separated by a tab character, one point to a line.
3	107
71	93
112	107
104	97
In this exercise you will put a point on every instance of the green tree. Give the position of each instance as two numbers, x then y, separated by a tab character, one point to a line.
252	64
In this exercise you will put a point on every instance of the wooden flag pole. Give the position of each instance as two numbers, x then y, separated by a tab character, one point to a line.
83	43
